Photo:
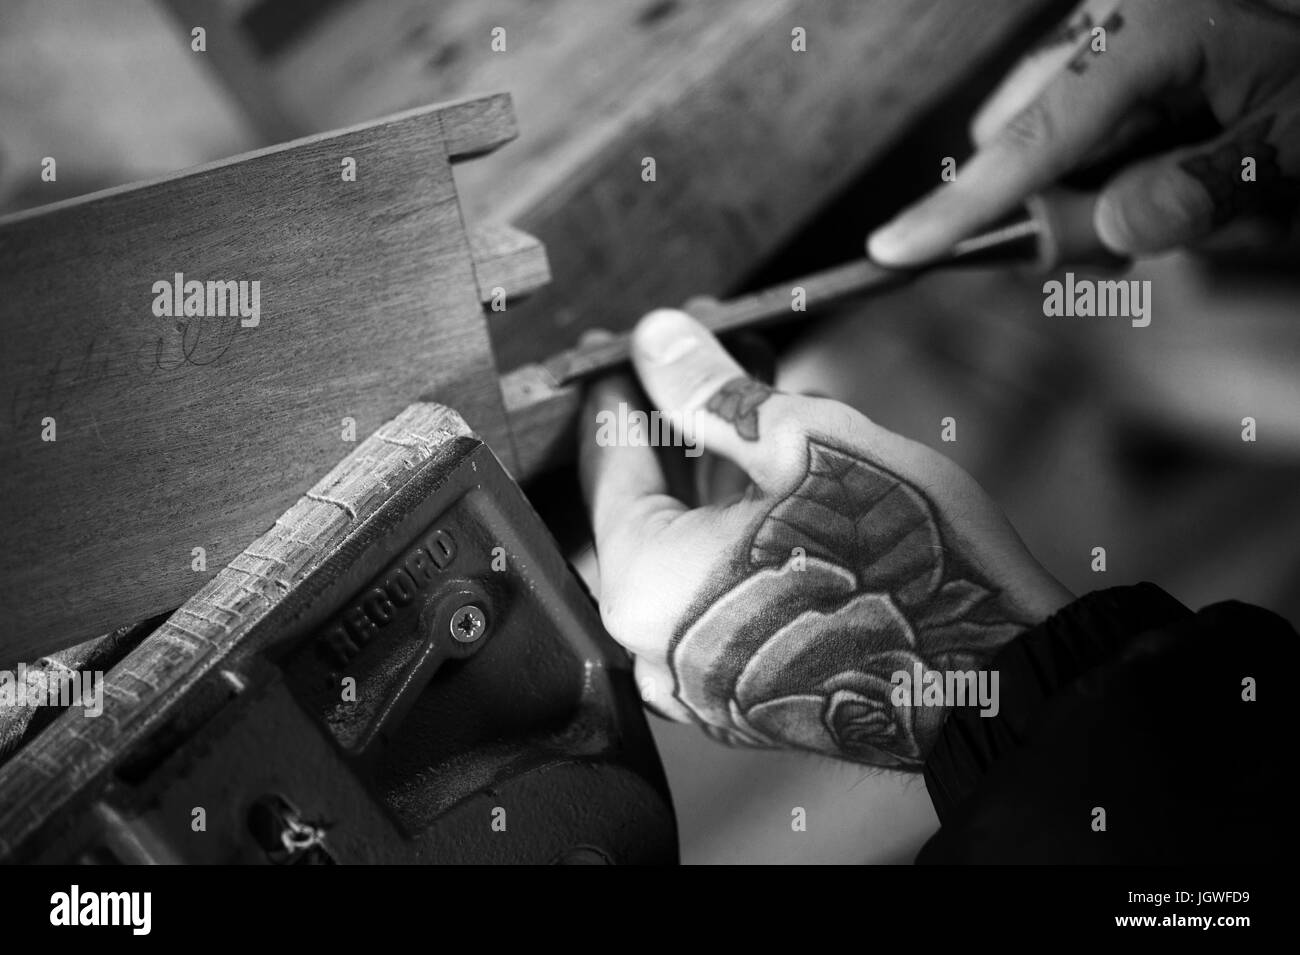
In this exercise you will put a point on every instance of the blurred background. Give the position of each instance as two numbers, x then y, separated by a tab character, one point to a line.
1088	432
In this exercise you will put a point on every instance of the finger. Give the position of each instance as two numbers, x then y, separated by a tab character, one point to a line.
1071	39
1043	141
1141	124
622	481
1253	235
718	480
691	378
1186	195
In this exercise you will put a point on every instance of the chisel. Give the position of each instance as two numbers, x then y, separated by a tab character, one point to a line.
1055	228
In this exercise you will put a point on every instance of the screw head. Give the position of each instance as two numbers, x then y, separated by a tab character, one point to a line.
468	624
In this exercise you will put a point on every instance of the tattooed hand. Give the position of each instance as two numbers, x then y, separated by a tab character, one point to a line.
782	618
1109	75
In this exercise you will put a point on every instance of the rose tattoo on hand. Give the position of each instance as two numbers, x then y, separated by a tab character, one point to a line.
848	583
781	617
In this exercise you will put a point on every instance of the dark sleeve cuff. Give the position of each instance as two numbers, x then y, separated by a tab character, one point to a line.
1032	669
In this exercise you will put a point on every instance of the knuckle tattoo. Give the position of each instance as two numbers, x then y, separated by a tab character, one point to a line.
1032	128
737	402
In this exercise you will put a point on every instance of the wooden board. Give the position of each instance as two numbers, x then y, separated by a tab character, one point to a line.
751	139
178	433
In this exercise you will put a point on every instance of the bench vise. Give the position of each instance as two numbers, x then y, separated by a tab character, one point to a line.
404	669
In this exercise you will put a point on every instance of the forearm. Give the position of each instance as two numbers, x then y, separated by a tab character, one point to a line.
1108	711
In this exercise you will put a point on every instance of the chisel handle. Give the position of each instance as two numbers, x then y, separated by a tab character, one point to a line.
1067	230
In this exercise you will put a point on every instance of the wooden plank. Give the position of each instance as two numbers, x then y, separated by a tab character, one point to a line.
476	126
507	259
543	415
751	139
140	691
176	433
26	719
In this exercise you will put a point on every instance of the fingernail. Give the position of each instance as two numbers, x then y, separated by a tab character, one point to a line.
596	336
1108	219
1154	215
889	243
666	336
1184	204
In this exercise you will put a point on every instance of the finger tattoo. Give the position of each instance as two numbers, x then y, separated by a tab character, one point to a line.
737	402
1069	33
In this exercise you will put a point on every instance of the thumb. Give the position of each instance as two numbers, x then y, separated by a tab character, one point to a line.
1183	196
694	381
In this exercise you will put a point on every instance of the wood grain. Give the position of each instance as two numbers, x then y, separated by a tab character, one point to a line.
508	259
751	139
181	433
543	418
140	692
